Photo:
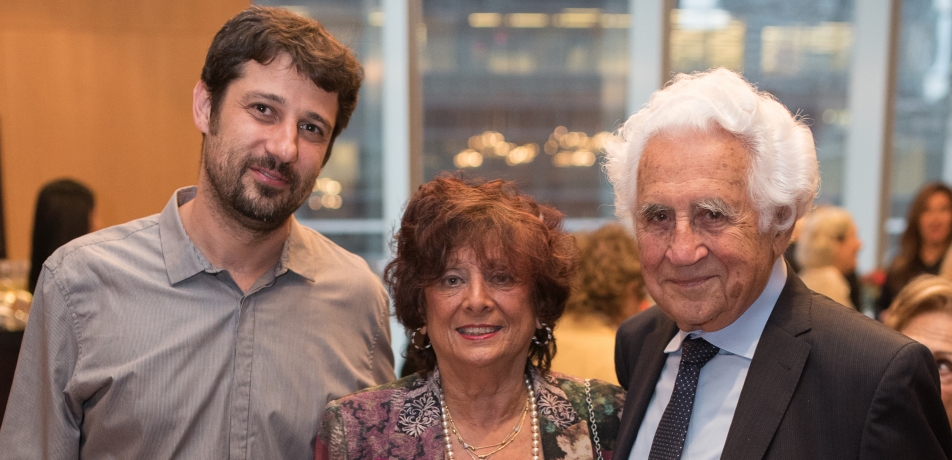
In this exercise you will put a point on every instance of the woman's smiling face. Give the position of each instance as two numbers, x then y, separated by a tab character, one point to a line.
479	314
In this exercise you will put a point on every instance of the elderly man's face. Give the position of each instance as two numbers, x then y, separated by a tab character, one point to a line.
704	260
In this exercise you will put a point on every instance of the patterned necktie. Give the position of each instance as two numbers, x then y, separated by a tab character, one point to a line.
673	429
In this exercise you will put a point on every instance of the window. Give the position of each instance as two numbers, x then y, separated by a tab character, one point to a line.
526	91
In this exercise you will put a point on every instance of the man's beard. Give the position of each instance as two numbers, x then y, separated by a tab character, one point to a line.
260	208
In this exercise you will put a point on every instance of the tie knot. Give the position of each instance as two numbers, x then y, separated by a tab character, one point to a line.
697	351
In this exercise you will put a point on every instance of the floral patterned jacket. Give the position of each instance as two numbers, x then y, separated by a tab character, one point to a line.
401	419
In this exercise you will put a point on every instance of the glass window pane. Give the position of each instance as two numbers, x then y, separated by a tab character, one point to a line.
921	126
525	91
798	51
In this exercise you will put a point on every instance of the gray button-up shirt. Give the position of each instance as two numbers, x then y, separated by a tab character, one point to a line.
137	347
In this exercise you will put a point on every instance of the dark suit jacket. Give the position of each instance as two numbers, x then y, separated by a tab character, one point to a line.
825	382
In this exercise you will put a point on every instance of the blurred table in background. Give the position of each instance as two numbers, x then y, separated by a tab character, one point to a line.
14	314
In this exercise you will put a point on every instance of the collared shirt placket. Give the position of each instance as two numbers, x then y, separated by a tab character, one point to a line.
241	394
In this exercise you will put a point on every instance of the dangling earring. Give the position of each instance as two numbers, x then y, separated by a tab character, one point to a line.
413	336
548	338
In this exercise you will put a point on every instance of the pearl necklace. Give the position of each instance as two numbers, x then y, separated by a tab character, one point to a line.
533	409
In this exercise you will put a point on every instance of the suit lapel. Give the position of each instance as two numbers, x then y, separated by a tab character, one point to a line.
773	375
641	384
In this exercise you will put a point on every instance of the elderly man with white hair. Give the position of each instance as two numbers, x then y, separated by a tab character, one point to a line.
739	359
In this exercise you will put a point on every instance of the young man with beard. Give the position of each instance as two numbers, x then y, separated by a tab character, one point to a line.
220	327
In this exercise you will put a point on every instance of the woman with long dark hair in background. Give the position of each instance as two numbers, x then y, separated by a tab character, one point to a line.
65	210
923	245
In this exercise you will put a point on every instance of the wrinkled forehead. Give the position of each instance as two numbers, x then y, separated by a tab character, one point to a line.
693	154
692	138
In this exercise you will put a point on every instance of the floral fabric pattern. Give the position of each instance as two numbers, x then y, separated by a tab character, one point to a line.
421	410
402	419
554	404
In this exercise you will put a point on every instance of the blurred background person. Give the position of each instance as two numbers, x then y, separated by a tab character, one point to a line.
922	311
923	244
65	210
480	275
607	289
827	252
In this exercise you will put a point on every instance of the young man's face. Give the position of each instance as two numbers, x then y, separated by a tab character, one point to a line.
274	126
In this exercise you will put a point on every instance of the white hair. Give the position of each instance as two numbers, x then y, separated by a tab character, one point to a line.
783	178
824	231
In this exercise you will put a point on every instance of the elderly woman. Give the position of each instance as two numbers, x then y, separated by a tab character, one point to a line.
608	289
827	252
481	274
923	311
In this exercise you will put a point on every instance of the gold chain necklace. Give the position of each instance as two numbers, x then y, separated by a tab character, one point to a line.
448	443
500	446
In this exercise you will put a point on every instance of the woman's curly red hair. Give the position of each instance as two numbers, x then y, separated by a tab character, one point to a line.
502	226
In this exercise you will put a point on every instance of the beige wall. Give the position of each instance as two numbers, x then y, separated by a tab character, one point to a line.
100	90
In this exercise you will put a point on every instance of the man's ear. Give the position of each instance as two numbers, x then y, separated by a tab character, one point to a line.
201	107
782	240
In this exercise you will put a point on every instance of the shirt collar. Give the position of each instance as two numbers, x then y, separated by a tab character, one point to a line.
300	254
741	336
183	259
